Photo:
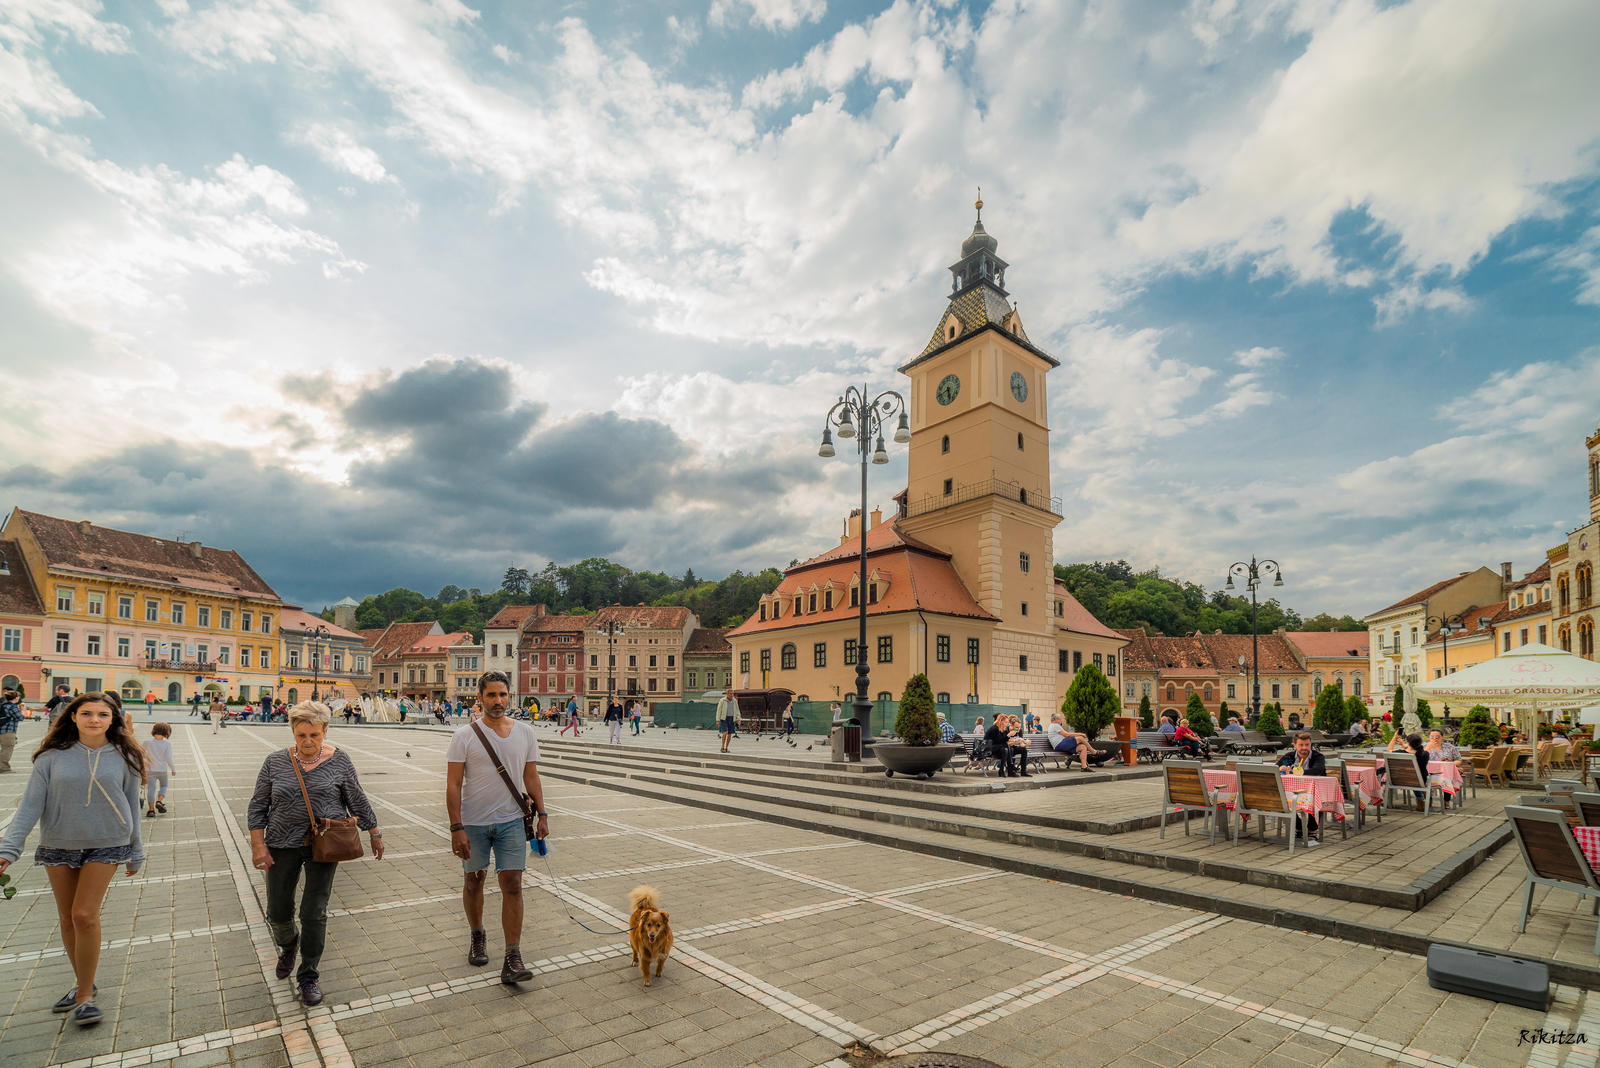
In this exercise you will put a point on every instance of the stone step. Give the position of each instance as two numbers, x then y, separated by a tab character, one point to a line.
1049	835
1290	907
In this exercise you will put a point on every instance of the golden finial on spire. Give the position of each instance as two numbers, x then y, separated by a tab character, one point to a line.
979	203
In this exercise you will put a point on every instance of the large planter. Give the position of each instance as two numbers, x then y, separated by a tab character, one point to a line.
921	760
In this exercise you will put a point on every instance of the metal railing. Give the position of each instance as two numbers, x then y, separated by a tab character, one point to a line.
971	491
182	665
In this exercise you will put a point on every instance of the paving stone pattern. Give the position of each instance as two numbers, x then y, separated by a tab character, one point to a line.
792	944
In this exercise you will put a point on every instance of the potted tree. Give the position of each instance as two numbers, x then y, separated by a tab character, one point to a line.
1478	730
917	749
1091	704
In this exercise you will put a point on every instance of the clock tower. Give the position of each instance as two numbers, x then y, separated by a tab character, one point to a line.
978	483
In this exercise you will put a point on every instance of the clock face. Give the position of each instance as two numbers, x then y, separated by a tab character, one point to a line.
949	389
1019	386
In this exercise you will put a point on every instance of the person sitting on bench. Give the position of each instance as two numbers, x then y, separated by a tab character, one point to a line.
1073	744
1186	739
999	738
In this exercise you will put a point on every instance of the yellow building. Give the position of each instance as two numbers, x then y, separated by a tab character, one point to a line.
137	614
1398	635
960	582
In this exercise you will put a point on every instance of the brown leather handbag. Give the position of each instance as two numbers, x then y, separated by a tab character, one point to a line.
331	840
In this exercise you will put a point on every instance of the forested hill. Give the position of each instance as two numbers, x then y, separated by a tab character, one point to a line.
574	589
1119	596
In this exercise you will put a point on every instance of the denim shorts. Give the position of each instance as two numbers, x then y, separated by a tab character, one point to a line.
77	858
507	842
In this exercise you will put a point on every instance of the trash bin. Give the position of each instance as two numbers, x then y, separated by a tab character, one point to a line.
1127	729
852	740
836	737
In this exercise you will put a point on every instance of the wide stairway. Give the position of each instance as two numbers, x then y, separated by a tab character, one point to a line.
1401	884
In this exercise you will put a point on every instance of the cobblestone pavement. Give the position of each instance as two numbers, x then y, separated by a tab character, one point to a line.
791	945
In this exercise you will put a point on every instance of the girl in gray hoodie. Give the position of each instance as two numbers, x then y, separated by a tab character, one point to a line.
84	794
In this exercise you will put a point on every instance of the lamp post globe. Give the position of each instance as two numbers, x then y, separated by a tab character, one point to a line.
1252	574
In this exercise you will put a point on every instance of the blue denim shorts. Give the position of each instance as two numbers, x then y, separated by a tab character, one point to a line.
504	839
77	858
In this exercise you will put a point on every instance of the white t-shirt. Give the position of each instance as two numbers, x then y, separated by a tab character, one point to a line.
1054	732
484	797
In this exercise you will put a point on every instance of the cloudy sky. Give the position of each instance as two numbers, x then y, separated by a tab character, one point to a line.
394	292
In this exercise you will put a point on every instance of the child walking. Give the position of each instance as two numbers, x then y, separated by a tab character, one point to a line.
157	766
84	794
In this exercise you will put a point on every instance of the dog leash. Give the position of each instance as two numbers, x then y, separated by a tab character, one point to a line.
534	847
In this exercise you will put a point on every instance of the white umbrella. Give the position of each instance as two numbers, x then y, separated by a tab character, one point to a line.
1532	677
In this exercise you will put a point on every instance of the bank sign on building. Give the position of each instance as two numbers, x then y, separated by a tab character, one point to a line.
960	579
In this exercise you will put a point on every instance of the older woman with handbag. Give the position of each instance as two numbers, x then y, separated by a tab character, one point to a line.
304	816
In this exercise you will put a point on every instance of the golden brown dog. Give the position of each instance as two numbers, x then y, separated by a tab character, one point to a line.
649	930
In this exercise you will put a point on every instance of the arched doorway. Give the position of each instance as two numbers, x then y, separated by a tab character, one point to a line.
175	692
132	691
11	682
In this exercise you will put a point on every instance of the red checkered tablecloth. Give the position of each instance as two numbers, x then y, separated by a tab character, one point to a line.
1368	789
1589	842
1448	774
1223	784
1315	793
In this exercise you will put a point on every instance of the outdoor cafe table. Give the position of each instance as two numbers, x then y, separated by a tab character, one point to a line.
1448	774
1368	789
1589	841
1319	792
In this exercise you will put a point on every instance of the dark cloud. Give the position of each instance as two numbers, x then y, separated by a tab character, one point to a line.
472	481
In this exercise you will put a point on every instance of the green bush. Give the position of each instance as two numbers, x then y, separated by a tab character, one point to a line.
915	722
1354	708
1147	715
1478	730
1199	718
1425	714
1270	723
1328	716
1223	712
1091	702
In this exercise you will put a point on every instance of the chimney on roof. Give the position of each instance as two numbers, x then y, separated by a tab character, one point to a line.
196	550
852	526
877	517
1505	577
83	526
538	611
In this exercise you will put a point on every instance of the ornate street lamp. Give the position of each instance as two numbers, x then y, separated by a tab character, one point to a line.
319	631
612	630
1446	628
1252	573
857	417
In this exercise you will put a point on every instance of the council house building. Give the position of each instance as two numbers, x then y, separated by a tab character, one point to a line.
960	580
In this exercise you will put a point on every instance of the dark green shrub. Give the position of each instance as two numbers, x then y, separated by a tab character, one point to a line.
1425	714
1328	715
1091	702
1354	708
1199	718
915	722
1147	715
1270	723
1478	730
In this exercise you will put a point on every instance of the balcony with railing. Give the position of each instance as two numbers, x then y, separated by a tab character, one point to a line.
971	491
161	663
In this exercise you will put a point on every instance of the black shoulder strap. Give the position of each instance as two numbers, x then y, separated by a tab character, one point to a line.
505	776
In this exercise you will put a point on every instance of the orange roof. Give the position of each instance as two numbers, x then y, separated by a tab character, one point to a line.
1212	654
293	617
1078	619
1486	615
397	638
659	617
1331	644
708	641
17	594
1423	595
549	624
512	616
433	644
918	576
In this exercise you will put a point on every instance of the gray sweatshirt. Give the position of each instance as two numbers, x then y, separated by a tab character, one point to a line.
82	798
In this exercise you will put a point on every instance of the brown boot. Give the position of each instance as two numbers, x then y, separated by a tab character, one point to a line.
1420	806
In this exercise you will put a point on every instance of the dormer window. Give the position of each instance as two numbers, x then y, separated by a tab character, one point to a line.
763	612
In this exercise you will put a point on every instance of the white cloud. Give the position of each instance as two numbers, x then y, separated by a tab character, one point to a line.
505	55
769	14
1257	356
339	149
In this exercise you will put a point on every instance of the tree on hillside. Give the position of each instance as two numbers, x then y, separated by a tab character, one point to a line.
1324	621
1121	597
517	581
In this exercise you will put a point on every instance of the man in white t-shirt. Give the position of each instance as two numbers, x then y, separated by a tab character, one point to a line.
485	818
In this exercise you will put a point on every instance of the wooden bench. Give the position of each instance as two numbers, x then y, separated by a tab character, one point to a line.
1152	747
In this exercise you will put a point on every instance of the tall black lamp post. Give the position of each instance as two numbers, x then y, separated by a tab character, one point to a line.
321	632
854	416
1447	627
1253	573
612	630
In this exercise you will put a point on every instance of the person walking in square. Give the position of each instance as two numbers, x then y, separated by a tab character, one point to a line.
10	719
310	774
614	722
62	698
218	710
638	716
572	721
484	765
157	767
84	796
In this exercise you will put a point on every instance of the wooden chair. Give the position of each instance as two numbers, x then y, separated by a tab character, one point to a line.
1404	775
1261	794
1553	859
1185	790
1541	759
1338	770
1495	771
1557	757
1588	806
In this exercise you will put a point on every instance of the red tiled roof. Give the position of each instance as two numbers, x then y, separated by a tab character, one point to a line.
293	617
398	638
433	644
371	636
17	595
1538	608
1215	654
1226	649
1538	574
512	616
102	551
657	617
1078	619
1331	644
1493	613
705	641
550	624
918	576
1423	595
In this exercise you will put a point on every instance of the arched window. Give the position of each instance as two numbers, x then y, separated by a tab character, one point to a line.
787	656
1564	592
1586	636
944	443
885	695
1566	637
1172	692
1316	683
1338	680
1355	684
132	690
1207	697
11	682
174	692
294	696
941	698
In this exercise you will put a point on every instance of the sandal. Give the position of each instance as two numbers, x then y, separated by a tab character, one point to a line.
161	808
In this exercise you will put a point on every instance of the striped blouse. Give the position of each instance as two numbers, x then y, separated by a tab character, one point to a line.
277	808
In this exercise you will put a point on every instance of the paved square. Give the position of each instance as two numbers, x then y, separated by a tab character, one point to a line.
791	945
